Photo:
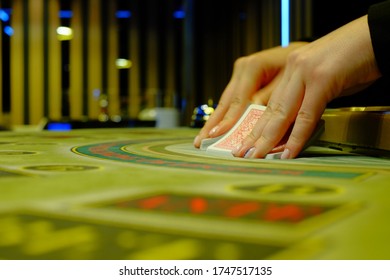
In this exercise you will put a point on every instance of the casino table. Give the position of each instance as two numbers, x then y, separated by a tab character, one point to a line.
146	193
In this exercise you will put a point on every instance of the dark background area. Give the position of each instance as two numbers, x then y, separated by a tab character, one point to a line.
205	44
331	14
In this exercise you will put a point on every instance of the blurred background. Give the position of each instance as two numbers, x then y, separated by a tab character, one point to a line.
109	60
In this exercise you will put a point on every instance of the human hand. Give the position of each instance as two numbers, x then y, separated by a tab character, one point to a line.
337	64
253	80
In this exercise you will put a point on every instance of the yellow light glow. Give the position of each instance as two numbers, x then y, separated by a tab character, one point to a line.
64	33
123	63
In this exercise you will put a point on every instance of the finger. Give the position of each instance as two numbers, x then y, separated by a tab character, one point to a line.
257	131
248	143
222	107
249	73
216	116
254	72
244	83
282	111
306	121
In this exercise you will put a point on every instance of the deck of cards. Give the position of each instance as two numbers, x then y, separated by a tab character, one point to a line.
224	144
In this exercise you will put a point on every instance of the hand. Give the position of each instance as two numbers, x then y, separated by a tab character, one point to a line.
337	64
253	80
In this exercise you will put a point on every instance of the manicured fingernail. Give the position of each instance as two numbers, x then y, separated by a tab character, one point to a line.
236	149
214	130
196	140
250	152
285	154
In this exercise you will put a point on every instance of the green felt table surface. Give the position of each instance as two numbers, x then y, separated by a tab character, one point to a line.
148	194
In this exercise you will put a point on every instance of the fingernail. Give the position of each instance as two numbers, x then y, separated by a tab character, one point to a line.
236	149
214	130
250	152
196	140
285	154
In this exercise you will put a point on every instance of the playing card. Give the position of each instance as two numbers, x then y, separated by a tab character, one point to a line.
234	137
209	141
224	144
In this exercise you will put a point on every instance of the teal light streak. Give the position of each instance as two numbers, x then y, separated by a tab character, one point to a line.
285	22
